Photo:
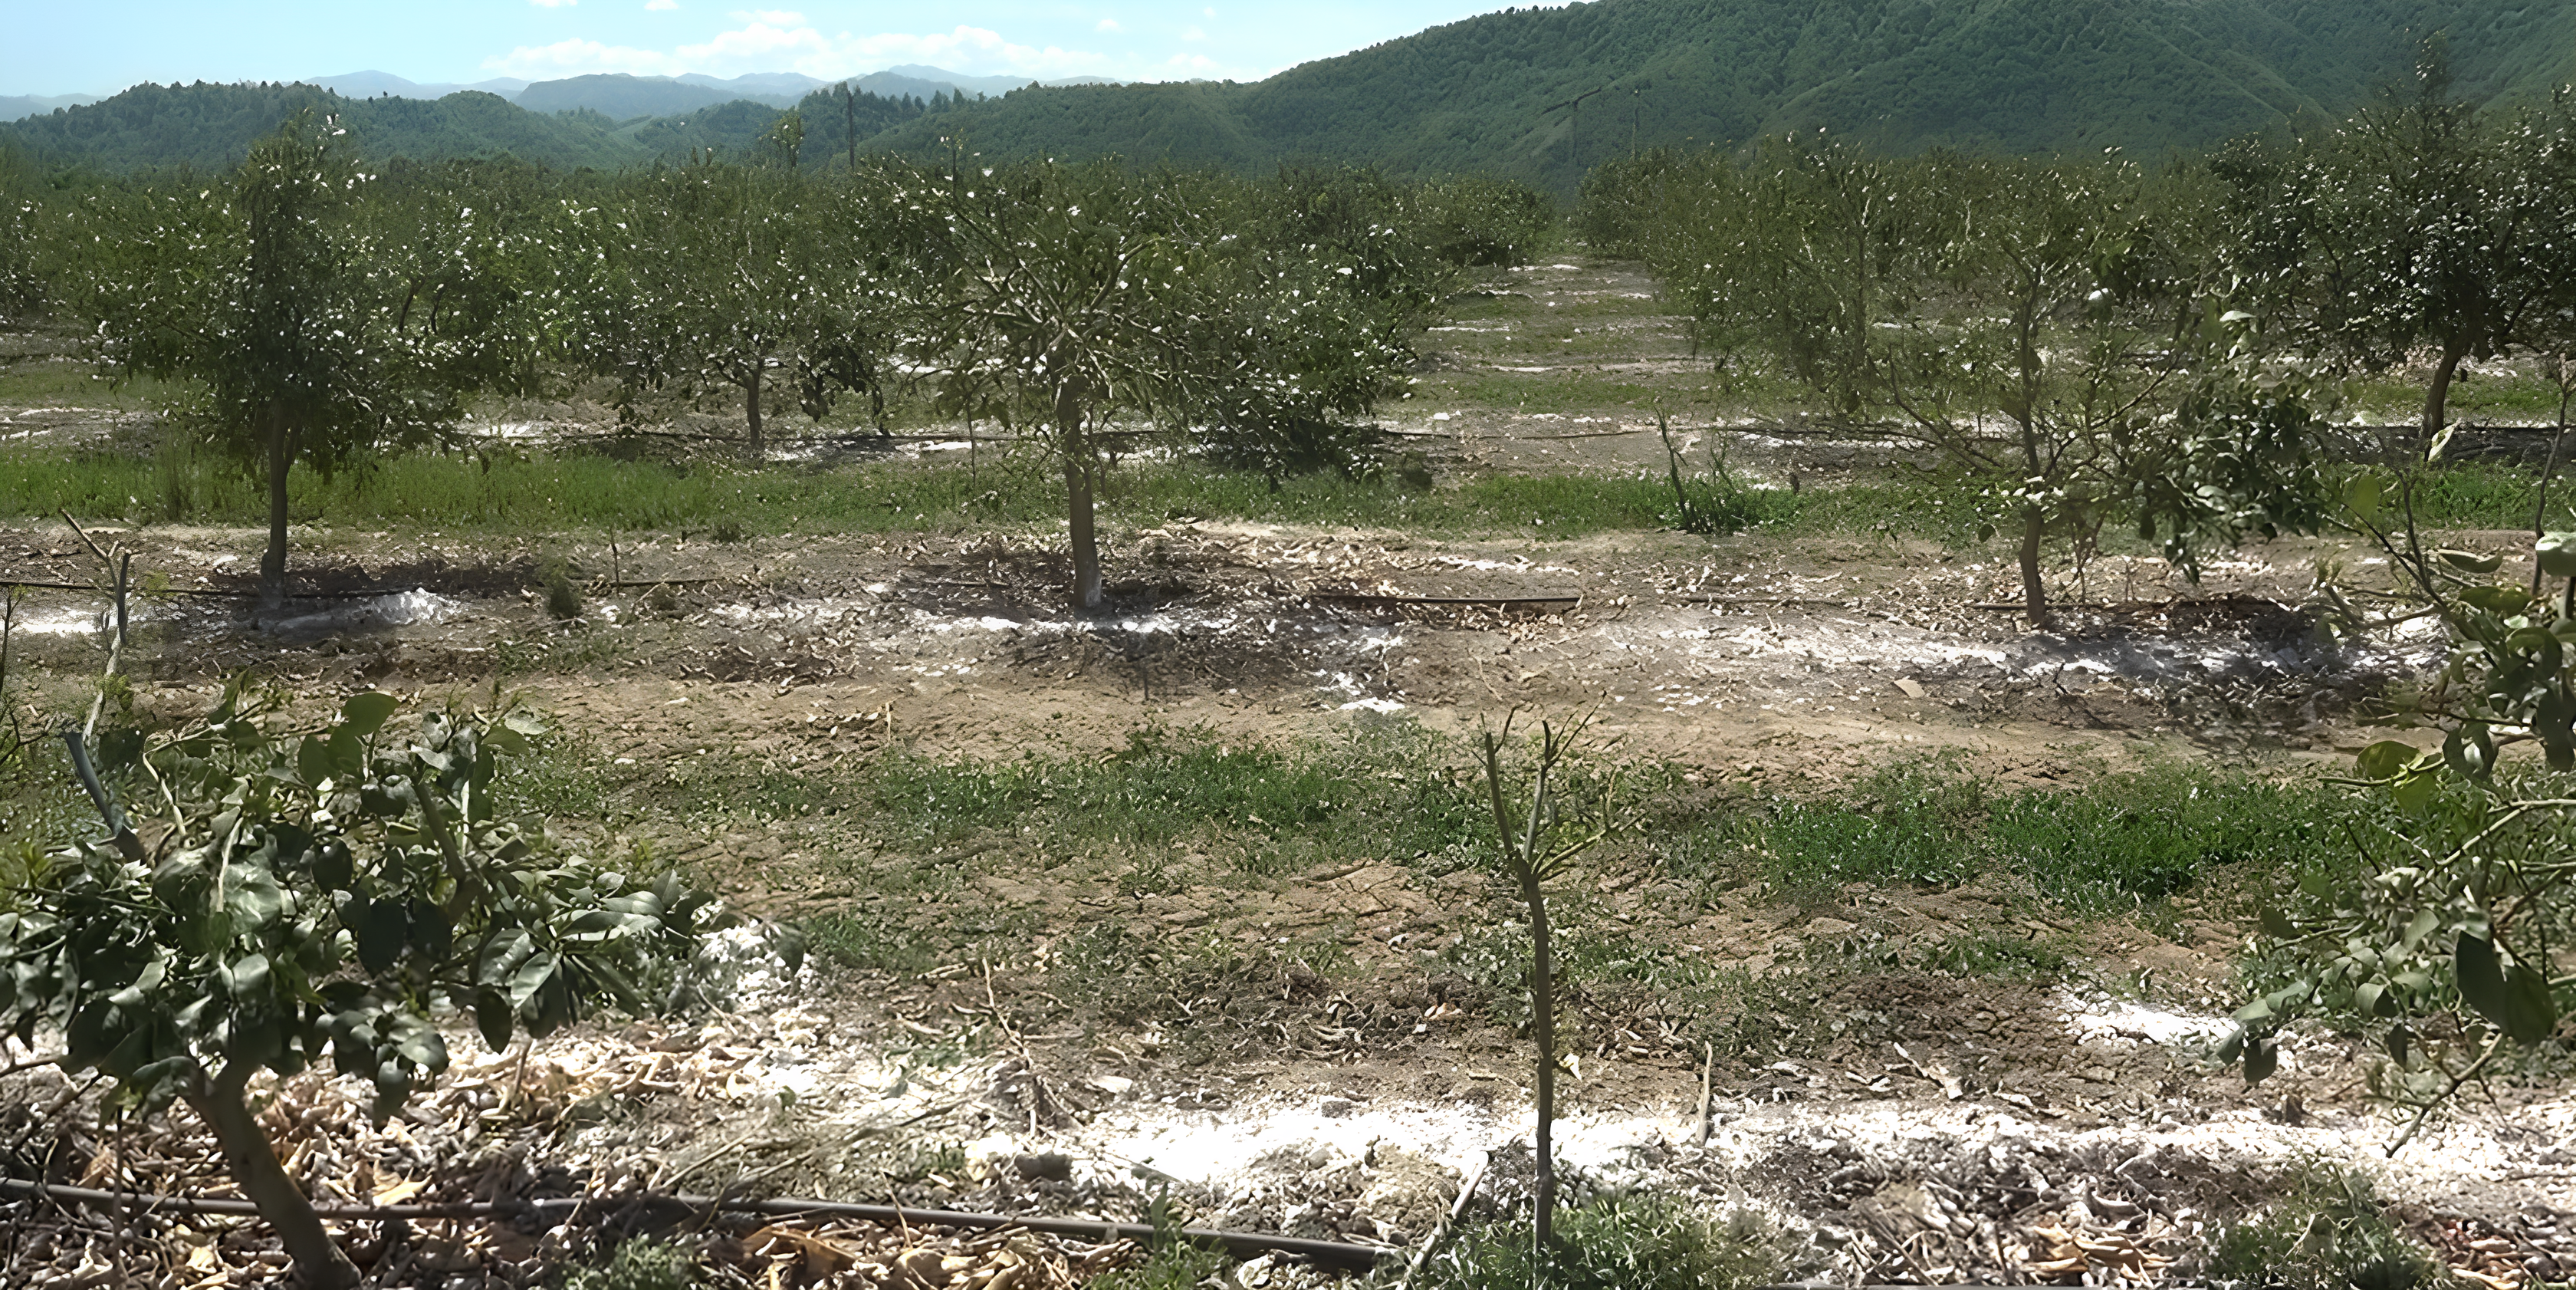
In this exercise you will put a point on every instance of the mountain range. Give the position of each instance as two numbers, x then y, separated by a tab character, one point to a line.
1547	93
1541	94
16	106
624	96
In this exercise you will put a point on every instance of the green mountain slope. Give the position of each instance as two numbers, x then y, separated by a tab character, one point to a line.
209	127
1493	92
1539	94
624	97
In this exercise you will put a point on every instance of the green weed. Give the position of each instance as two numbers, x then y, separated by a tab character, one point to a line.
869	945
2329	1232
638	1265
1633	1242
598	492
1173	1265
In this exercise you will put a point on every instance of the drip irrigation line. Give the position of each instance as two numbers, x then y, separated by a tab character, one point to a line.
1339	1254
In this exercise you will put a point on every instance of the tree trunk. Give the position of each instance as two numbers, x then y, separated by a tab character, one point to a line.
319	1264
751	409
2034	593
1079	470
1085	540
2540	508
1543	1021
2437	398
272	566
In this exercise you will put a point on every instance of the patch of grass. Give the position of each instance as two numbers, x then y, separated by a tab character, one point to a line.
1908	824
2480	495
728	502
2327	1232
1366	795
68	382
870	945
563	595
1634	1242
637	1265
2004	958
2136	839
2123	843
1173	1265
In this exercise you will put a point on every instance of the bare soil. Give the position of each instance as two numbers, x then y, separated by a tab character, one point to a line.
1338	1080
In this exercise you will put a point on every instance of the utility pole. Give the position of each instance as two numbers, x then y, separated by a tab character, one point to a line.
1575	149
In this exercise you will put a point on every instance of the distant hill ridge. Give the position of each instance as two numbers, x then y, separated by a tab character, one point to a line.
209	127
1547	93
1541	94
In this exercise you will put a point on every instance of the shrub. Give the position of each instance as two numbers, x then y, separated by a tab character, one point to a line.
1618	1243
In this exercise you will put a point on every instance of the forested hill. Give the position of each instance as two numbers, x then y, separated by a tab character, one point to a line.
209	127
1489	93
1499	93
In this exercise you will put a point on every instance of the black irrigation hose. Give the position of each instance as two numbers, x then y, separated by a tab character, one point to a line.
1336	1254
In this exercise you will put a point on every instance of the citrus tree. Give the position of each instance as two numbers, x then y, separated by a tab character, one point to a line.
313	898
716	276
277	299
1062	303
2046	327
2420	227
2444	941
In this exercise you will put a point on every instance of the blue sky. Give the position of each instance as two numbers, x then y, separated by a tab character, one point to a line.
99	48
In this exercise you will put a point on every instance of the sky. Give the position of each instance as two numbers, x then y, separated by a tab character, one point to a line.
99	48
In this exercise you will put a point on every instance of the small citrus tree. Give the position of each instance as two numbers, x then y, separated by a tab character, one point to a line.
1535	850
314	899
2443	948
306	325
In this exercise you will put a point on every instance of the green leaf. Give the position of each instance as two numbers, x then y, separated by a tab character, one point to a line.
2386	759
424	1047
2480	976
2277	925
2557	554
365	713
492	1016
2400	1044
313	760
348	756
2367	998
2470	561
2470	752
2262	1057
531	977
2517	999
380	933
2424	924
249	975
2496	598
2531	1014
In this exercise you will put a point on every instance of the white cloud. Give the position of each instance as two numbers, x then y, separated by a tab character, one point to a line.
1194	34
776	39
1107	24
1209	12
